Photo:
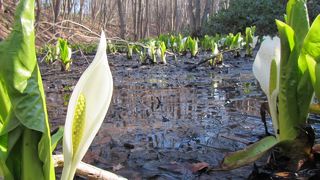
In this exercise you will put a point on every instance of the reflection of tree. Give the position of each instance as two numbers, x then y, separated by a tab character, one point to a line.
140	104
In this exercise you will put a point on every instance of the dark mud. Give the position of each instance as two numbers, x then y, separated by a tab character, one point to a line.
164	119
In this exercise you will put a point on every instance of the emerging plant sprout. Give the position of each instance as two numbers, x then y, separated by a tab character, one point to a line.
63	53
193	46
250	40
151	49
130	51
87	108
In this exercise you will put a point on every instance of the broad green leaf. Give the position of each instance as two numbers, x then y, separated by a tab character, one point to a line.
56	137
248	155
20	78
295	94
4	104
286	34
313	67
310	50
311	44
32	167
298	19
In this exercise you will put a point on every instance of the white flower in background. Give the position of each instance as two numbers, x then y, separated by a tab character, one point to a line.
69	53
158	52
87	108
255	41
215	50
266	68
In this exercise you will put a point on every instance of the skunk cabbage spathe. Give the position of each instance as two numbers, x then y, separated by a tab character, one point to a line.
87	108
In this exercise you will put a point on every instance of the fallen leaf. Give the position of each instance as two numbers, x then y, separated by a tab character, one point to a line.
283	174
316	148
117	167
199	166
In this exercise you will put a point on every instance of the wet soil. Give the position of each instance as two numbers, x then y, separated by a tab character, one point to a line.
165	120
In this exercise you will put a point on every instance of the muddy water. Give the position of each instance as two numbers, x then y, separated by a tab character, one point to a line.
164	119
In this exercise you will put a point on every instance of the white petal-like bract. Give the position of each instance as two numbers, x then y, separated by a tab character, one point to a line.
96	85
269	51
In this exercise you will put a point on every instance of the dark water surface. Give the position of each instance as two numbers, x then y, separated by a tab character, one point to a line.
163	119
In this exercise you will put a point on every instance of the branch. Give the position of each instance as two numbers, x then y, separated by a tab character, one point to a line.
88	171
209	58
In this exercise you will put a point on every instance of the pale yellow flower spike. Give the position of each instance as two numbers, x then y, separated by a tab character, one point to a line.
78	123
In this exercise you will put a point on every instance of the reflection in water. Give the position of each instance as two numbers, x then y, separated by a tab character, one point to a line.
175	117
165	113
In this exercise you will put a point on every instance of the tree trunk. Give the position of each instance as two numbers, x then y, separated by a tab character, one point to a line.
134	15
56	9
122	16
171	15
192	18
158	17
1	5
81	10
38	10
198	15
176	16
146	28
140	18
206	13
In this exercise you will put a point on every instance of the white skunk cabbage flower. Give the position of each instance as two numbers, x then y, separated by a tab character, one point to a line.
184	40
87	108
158	52
69	53
215	50
255	41
266	69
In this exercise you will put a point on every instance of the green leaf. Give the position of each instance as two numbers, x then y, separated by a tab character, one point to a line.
21	81
31	166
309	62
298	19
56	137
291	110
248	155
311	44
286	34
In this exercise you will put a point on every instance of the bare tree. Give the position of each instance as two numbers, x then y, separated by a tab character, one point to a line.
192	16
176	15
122	6
56	10
81	10
140	19
197	15
135	19
38	10
146	30
207	11
1	4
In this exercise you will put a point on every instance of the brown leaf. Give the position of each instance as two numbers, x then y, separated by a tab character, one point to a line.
283	174
196	167
117	167
316	148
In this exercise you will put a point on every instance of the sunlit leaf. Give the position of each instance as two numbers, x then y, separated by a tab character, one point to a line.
248	155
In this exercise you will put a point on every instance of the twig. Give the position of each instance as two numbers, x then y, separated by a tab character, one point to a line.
209	58
234	138
88	171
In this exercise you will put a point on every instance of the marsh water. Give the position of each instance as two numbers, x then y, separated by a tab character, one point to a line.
164	120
